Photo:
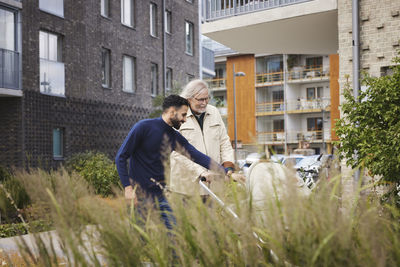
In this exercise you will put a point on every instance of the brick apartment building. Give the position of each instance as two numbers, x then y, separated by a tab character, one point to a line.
76	75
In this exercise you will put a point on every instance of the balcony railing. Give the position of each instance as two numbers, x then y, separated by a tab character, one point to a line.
268	137
309	136
269	77
9	69
217	9
52	77
308	72
219	83
307	105
270	107
317	136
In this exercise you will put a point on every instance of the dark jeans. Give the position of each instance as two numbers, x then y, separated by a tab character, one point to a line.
155	199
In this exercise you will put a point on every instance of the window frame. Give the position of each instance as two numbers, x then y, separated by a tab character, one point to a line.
315	119
57	63
61	137
133	73
191	41
153	19
154	79
132	14
106	68
168	79
105	6
168	21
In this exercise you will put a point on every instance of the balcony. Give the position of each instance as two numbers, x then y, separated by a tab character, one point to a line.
274	26
315	136
270	108
273	78
52	77
271	137
216	84
308	73
318	136
9	69
216	9
306	106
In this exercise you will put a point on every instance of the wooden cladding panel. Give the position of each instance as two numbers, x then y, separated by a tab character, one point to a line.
245	98
334	89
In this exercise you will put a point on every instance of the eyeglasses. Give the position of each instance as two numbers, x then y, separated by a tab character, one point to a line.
205	99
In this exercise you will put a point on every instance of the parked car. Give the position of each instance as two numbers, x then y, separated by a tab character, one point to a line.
292	159
309	168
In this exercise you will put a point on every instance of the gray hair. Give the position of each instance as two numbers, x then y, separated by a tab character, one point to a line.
193	88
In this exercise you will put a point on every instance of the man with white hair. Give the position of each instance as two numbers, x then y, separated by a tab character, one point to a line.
205	130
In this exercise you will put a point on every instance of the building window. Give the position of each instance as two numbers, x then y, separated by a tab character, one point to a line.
314	93
52	72
279	125
58	143
55	7
105	67
168	77
154	79
153	20
386	71
189	37
168	21
313	62
314	124
127	13
9	57
129	74
105	8
7	29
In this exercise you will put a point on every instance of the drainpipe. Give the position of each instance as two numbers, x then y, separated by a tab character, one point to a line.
285	117
164	77
200	42
356	63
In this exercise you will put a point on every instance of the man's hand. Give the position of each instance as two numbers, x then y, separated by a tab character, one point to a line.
130	194
209	176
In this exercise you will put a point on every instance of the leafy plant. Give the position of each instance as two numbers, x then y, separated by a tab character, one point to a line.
159	99
97	169
369	130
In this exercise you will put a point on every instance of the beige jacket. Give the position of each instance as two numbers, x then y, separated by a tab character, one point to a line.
212	141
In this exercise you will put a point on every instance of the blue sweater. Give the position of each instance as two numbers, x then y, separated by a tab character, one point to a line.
148	146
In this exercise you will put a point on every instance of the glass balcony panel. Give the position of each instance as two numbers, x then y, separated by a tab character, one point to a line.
216	83
216	9
270	107
9	69
52	77
304	104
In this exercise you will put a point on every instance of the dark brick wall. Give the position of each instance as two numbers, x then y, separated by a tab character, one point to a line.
93	117
87	124
10	132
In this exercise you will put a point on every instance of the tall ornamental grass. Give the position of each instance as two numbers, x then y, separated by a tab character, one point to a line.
288	230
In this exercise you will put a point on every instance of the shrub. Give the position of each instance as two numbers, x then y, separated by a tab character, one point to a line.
14	229
12	194
97	169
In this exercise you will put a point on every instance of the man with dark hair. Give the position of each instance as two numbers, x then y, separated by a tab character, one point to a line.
148	146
